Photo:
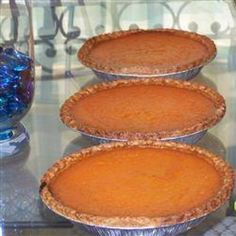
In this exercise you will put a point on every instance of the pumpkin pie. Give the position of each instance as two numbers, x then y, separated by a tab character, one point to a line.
147	52
143	109
137	184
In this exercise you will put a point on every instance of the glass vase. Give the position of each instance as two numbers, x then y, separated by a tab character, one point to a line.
16	74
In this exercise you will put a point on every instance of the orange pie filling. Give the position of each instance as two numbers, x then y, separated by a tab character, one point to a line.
143	108
148	49
137	181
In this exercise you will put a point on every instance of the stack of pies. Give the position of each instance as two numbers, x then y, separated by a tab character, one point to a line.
141	184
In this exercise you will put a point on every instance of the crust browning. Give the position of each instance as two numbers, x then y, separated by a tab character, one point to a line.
217	99
84	52
225	171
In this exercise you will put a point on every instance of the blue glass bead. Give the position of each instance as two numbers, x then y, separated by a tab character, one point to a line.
6	134
5	71
13	108
7	83
15	86
13	63
3	101
21	59
17	54
3	114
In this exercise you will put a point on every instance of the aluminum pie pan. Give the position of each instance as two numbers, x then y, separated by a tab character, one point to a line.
161	226
182	75
190	138
188	74
170	230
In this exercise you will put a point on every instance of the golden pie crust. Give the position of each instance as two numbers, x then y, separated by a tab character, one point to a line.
141	69
225	171
218	100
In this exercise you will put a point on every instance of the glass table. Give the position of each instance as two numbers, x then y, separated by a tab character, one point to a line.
21	210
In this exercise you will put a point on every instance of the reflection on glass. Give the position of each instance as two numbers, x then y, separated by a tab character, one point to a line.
78	143
213	144
20	204
17	189
201	78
